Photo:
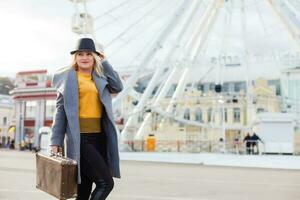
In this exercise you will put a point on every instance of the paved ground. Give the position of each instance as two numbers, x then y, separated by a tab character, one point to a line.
218	159
162	181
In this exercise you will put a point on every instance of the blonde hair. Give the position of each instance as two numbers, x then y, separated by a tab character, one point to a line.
97	64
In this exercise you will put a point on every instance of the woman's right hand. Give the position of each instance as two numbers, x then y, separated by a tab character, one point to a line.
55	149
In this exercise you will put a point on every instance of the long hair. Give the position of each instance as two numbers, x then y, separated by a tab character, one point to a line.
97	64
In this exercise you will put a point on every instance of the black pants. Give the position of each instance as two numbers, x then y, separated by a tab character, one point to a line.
94	168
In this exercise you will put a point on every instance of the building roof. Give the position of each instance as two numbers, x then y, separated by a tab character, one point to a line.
43	71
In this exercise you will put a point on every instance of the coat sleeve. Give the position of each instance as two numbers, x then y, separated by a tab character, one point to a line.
115	84
59	122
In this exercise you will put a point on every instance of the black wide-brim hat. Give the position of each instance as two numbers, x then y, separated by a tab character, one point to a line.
85	44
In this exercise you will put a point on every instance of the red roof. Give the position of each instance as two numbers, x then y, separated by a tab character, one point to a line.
44	71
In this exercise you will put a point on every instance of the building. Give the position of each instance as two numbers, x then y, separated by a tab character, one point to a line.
34	104
202	117
290	83
6	114
277	130
290	86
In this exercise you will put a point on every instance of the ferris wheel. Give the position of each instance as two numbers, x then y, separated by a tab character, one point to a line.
82	22
192	26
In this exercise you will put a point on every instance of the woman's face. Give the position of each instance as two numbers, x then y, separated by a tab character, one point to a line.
84	60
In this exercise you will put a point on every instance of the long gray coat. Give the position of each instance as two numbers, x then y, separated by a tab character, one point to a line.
66	117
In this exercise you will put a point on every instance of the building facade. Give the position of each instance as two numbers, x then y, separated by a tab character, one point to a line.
222	116
290	83
6	115
34	104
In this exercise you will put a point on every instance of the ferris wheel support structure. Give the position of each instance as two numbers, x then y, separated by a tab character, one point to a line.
174	53
150	54
195	46
129	131
293	32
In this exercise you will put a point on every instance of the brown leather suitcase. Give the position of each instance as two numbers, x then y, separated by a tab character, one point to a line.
56	176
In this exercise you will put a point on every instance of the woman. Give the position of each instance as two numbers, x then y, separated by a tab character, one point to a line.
84	115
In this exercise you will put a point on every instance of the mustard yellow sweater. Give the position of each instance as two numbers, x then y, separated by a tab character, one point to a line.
90	106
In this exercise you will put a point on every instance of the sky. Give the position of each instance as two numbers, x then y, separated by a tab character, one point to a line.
36	34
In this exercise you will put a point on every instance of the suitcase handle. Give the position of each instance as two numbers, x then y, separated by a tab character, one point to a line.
58	154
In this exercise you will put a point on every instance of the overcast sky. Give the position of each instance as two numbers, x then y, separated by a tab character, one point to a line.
36	34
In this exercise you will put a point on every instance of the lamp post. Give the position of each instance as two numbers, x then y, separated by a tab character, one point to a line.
223	131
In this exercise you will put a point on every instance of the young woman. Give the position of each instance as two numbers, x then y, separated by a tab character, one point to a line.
84	115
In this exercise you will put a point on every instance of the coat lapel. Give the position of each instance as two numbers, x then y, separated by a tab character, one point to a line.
71	96
100	82
72	92
72	103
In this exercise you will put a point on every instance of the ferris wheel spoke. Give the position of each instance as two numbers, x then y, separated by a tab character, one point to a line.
122	16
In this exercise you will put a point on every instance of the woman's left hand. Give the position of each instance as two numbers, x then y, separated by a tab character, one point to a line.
102	56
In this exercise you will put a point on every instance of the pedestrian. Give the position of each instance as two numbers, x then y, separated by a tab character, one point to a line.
222	145
12	144
7	142
84	114
26	141
247	140
237	143
30	141
255	139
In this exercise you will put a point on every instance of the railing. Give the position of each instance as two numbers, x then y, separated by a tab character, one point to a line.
197	146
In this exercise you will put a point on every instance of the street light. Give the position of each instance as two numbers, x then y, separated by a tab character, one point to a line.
223	133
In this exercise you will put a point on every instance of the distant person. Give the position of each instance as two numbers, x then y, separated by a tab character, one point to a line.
30	141
255	139
7	142
84	113
12	144
248	142
237	143
23	145
26	141
222	145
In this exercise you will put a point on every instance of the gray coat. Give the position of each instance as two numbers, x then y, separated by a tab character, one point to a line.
66	117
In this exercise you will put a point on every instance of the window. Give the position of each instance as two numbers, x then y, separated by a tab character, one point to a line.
276	84
209	115
198	115
171	91
50	108
236	115
200	87
186	114
4	121
225	87
30	109
238	86
212	87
